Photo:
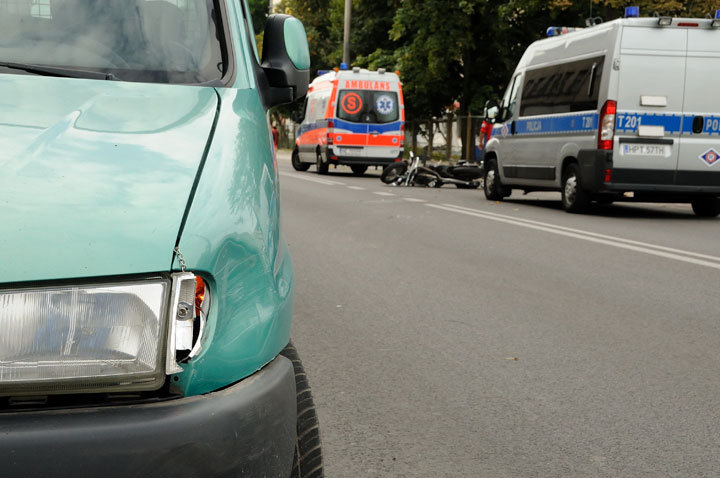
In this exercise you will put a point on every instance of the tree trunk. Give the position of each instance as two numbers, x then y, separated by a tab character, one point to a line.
468	140
431	136
448	137
414	138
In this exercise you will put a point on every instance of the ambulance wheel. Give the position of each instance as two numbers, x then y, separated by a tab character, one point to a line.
706	207
358	169
322	168
392	172
492	186
297	164
574	198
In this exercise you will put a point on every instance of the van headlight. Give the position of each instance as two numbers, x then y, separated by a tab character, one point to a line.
85	338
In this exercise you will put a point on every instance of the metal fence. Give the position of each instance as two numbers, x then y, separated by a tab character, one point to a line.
442	138
436	138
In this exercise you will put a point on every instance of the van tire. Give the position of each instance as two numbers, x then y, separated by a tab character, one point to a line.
492	186
358	169
574	198
322	168
308	461
297	164
706	206
392	172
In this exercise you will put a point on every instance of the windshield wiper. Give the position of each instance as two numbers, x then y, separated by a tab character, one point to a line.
59	71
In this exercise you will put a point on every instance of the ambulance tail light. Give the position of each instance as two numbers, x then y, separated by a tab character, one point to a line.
330	125
606	126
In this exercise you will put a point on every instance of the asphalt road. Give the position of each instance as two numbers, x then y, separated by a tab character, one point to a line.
446	335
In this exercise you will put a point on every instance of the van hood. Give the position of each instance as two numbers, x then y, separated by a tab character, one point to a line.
95	175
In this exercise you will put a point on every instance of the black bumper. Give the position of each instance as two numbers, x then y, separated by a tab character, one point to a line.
247	429
653	184
351	160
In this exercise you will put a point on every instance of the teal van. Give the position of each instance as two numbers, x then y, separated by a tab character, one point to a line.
146	287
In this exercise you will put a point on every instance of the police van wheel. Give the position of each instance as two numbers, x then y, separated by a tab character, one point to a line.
492	186
308	461
706	207
297	164
358	170
574	198
322	168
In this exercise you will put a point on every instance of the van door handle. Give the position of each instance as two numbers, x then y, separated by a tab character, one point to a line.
698	123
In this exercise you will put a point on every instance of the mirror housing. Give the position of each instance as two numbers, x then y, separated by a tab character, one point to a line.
492	113
491	110
285	60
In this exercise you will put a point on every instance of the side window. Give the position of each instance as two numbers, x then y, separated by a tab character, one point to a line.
513	96
509	100
562	88
322	105
251	28
306	110
311	106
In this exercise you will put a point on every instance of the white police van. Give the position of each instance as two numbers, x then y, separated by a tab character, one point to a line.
624	110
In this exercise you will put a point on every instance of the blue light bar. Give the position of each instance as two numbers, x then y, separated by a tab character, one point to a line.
717	14
323	72
552	31
632	12
343	66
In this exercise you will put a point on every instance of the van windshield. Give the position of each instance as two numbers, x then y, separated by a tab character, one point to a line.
368	106
161	41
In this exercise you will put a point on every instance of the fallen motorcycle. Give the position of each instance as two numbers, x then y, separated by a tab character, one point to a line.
413	173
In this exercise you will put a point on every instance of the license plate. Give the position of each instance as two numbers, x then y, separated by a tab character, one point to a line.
646	150
351	151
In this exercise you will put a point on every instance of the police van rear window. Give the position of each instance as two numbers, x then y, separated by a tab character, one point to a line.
562	88
366	106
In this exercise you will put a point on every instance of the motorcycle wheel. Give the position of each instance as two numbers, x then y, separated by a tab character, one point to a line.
393	172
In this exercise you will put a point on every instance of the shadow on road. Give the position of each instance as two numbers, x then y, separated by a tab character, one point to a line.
370	173
619	210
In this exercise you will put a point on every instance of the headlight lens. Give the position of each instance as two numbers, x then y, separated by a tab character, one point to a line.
78	339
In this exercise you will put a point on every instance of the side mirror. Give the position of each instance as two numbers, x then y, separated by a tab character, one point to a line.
285	60
492	113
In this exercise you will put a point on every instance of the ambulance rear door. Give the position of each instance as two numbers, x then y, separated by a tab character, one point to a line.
649	104
698	163
385	128
350	128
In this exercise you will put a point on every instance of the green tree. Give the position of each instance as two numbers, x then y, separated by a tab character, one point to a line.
258	11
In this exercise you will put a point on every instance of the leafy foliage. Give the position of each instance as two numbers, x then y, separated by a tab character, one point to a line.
453	50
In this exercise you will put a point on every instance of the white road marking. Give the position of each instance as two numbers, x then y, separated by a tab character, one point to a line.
326	182
379	193
356	188
414	200
646	248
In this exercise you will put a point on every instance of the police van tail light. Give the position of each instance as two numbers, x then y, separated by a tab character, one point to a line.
606	129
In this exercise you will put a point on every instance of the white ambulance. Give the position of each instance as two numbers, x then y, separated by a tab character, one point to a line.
624	110
352	117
